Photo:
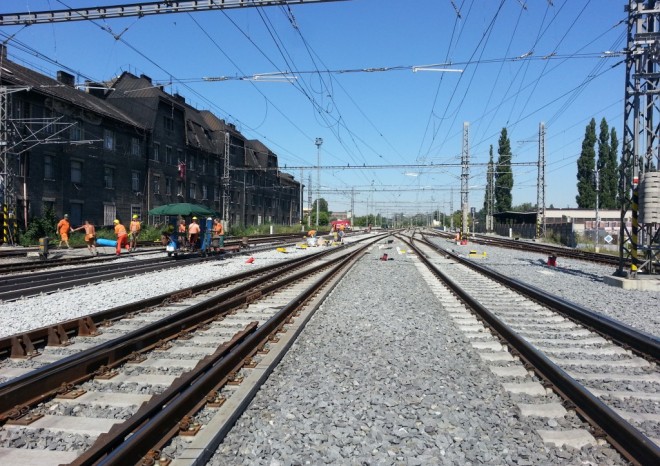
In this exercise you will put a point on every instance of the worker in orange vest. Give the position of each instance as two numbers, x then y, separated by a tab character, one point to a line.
122	237
63	229
135	228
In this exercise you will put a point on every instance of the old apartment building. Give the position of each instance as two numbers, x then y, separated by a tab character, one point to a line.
115	149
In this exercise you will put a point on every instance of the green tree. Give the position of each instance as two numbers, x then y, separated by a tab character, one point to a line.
612	179
586	163
608	167
503	175
490	179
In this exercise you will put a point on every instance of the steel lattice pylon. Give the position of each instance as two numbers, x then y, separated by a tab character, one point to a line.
641	130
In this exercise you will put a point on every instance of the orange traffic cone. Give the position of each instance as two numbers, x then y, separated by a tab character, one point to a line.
250	260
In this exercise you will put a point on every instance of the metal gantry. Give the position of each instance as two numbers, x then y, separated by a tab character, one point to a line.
139	9
641	133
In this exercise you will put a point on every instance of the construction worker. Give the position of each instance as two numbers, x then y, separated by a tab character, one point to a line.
63	229
182	232
135	228
122	237
218	234
90	237
193	233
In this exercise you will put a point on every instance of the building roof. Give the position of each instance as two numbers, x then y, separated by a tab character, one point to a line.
76	101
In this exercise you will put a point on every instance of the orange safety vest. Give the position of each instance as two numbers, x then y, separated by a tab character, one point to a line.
120	230
135	226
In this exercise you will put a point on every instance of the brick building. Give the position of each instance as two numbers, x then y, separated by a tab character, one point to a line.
111	150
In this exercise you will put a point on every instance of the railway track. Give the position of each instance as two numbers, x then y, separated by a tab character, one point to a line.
178	360
602	369
546	249
58	260
36	283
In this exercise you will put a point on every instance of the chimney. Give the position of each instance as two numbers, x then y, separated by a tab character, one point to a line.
3	51
66	78
179	97
144	76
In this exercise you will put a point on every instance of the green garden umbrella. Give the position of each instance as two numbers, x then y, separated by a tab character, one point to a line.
184	209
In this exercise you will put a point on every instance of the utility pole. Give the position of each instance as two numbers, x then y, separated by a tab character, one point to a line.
318	143
465	176
352	206
540	185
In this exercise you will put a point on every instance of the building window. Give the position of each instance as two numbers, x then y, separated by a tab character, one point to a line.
76	171
48	167
109	178
108	139
216	193
136	210
191	160
135	181
168	155
168	123
193	191
75	213
204	166
204	192
109	214
168	186
49	121
135	147
76	131
179	188
156	153
216	168
156	184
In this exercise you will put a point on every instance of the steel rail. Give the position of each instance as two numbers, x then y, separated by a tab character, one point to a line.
43	382
640	342
622	435
59	333
157	421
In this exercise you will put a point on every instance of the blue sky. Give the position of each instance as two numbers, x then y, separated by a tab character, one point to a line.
522	62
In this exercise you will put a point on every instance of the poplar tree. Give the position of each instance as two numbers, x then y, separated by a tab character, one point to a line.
503	174
586	197
603	165
613	177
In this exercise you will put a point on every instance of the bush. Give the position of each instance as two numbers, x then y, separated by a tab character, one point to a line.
39	227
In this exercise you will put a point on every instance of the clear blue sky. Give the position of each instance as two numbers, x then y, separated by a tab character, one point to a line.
371	117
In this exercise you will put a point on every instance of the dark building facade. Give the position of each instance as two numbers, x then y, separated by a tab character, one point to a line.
115	149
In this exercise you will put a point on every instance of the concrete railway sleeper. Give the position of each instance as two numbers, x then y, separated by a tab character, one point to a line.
243	344
563	354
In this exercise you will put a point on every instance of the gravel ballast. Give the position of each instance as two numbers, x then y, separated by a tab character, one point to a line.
574	280
381	375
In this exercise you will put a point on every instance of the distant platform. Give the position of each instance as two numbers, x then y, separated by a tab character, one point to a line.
641	283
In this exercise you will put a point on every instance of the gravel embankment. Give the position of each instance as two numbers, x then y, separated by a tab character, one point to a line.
381	375
574	280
